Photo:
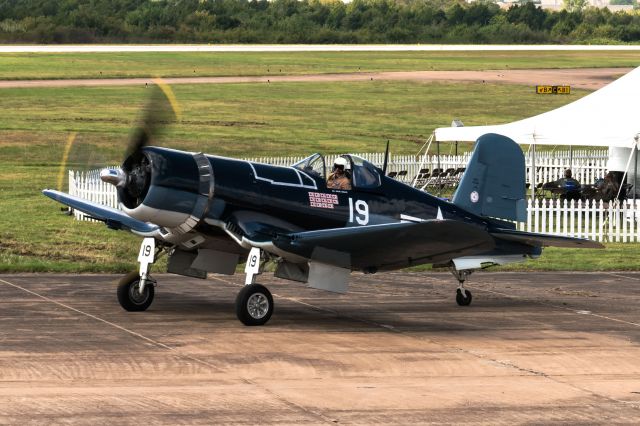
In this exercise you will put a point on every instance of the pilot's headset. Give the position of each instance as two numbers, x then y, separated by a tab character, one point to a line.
341	162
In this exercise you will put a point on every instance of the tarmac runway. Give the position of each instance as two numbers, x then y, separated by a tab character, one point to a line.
532	348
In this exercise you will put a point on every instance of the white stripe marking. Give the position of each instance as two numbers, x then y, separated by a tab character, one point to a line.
405	218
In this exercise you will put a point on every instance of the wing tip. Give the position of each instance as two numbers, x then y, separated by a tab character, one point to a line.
50	193
594	244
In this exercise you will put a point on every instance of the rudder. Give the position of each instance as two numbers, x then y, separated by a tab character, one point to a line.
493	184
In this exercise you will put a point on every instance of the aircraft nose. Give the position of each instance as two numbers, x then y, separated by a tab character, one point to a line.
115	177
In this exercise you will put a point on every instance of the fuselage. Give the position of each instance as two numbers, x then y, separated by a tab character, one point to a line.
305	201
221	197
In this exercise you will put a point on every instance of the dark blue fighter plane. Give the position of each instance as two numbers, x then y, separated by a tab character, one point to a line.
211	213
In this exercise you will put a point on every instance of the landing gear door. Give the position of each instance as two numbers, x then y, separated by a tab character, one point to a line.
147	251
146	257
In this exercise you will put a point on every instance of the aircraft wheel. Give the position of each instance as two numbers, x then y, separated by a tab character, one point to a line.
129	295
254	305
461	300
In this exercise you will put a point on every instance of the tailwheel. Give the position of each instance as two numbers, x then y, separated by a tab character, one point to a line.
129	295
254	305
463	299
463	296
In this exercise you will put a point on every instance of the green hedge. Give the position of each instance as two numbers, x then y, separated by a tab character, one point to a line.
307	21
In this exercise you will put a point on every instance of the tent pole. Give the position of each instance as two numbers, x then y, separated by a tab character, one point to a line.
626	169
635	171
533	172
428	142
440	174
635	166
571	157
424	157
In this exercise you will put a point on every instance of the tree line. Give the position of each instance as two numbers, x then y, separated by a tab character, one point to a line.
309	21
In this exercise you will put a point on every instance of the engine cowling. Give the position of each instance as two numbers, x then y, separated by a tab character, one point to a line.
169	188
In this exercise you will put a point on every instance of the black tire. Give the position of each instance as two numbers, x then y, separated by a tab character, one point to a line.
129	297
254	305
461	300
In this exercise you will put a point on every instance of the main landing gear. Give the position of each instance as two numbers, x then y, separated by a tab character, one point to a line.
463	296
129	295
137	289
254	304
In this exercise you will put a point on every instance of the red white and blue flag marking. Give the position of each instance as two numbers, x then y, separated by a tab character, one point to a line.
322	200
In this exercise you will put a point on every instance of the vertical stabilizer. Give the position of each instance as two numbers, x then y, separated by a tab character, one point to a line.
494	182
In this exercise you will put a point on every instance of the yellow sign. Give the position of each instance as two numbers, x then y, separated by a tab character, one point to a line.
553	90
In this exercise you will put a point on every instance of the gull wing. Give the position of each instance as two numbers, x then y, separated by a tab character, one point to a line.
113	218
388	246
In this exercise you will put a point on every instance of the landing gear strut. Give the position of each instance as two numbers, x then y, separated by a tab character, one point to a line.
463	296
254	304
137	289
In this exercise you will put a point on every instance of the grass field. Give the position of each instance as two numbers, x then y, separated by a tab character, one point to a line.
256	119
236	120
113	65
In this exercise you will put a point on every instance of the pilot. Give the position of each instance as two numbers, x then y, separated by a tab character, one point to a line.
339	179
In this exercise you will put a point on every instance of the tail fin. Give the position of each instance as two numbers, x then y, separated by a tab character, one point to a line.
493	184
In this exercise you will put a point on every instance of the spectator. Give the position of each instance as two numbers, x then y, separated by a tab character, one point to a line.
607	190
570	187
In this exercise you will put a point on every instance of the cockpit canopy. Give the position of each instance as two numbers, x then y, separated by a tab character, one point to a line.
313	165
363	173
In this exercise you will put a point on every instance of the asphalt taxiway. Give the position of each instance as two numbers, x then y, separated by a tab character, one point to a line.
532	348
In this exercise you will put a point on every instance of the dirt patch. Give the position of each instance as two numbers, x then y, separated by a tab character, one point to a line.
582	78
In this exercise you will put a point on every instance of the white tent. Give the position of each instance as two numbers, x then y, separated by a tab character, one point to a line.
608	117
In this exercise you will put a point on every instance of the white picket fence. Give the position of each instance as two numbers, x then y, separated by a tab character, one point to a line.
616	222
596	220
88	185
409	164
587	165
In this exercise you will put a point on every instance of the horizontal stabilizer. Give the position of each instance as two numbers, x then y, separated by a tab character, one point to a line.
544	240
114	218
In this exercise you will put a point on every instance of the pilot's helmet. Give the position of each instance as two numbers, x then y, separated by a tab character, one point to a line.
341	162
